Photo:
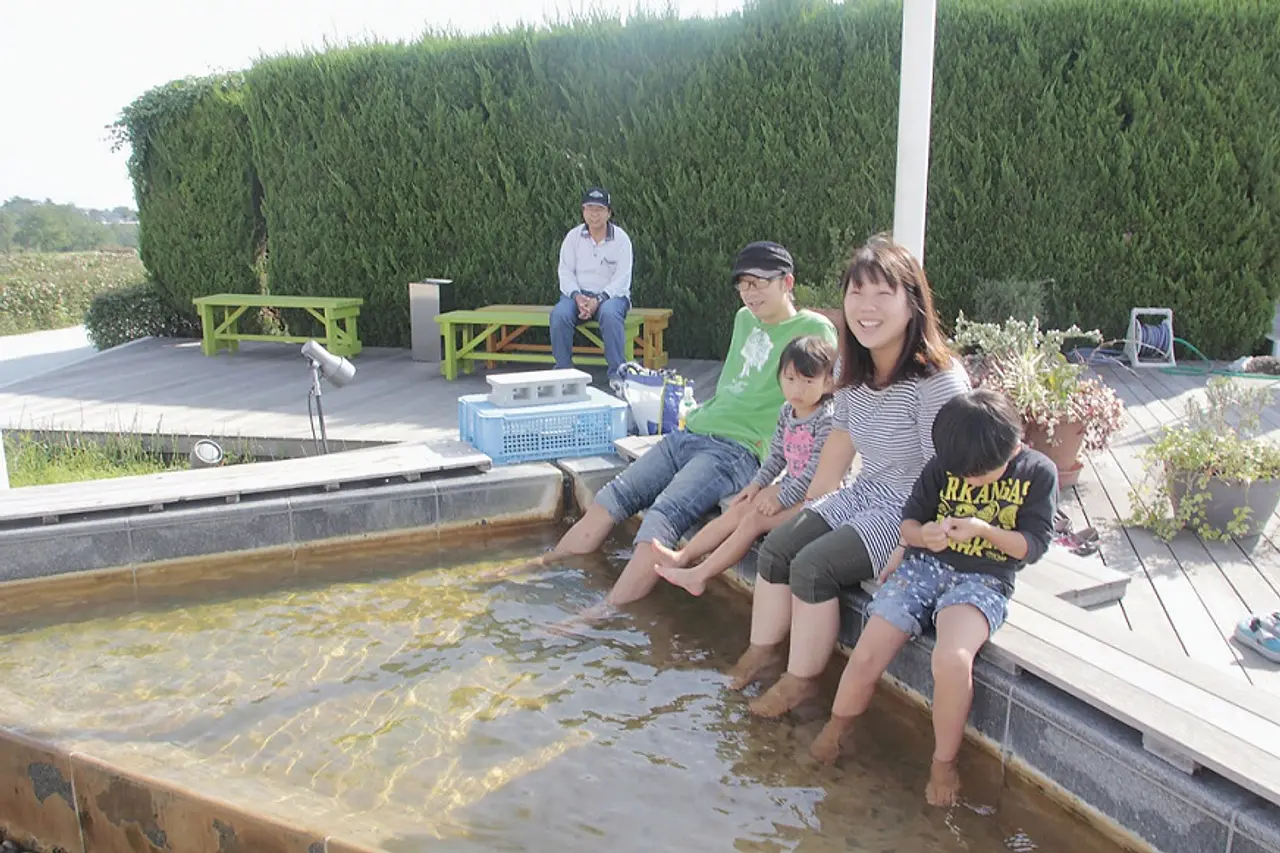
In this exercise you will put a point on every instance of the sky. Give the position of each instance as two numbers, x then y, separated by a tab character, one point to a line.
69	67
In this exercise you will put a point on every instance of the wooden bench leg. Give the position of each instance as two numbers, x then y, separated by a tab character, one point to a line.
208	343
232	329
468	364
490	345
331	340
449	364
349	330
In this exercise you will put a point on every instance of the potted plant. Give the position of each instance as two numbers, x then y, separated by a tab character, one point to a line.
1212	474
1064	409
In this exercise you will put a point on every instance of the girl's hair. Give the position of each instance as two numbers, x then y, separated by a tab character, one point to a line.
810	355
924	350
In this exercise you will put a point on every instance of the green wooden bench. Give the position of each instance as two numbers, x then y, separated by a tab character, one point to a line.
494	333
337	313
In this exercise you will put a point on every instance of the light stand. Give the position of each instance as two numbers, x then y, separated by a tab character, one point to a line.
338	371
322	446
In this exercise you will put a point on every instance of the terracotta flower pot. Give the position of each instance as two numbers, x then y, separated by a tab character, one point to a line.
1063	448
1260	496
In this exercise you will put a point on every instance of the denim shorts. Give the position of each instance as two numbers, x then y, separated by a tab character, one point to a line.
676	482
922	586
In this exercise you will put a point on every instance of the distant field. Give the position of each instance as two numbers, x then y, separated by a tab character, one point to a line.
51	290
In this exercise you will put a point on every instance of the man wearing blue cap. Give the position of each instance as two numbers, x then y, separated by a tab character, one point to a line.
595	282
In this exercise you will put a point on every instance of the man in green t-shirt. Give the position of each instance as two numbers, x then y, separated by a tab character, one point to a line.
688	473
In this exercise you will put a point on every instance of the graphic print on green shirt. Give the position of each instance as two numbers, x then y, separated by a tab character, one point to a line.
748	397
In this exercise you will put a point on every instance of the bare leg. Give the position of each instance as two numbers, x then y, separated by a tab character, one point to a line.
586	536
876	648
752	526
637	579
962	629
770	622
709	537
814	628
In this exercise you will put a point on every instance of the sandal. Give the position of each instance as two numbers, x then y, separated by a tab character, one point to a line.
1081	543
1262	634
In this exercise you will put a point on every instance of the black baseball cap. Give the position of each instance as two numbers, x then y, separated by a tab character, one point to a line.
597	195
763	259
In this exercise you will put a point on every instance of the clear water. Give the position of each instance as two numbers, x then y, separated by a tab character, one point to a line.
426	707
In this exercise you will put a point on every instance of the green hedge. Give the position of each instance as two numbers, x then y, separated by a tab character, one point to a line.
1126	151
199	228
136	311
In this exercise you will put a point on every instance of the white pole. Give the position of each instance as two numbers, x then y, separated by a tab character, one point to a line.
4	470
915	104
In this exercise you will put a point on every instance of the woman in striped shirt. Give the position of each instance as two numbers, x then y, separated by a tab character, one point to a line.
897	372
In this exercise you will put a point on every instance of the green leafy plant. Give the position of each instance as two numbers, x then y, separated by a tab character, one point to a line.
1217	441
136	311
1027	363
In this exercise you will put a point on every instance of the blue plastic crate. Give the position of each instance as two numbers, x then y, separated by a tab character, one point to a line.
532	433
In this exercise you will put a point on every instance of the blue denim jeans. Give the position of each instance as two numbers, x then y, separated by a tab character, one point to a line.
611	314
924	585
677	482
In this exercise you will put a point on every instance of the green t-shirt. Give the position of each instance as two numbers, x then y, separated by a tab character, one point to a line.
748	397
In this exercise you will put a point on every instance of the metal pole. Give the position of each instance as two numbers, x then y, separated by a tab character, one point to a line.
915	105
315	392
4	468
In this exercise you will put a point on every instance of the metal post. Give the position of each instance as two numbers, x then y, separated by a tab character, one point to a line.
425	304
4	468
915	104
315	392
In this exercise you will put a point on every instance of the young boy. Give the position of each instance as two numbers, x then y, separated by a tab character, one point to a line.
982	509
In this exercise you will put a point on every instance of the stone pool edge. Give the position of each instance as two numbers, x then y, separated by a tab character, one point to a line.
59	799
1086	760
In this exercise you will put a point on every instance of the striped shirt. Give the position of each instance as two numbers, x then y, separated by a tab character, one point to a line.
892	430
794	451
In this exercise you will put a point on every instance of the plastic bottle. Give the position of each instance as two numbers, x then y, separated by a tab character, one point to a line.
687	405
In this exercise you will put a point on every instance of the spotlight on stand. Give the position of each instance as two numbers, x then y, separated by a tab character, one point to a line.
337	370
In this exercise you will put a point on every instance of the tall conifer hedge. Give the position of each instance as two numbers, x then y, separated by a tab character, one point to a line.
1128	151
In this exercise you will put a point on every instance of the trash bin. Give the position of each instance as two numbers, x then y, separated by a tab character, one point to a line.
428	299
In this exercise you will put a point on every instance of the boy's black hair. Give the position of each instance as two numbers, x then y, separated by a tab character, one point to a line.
976	432
811	355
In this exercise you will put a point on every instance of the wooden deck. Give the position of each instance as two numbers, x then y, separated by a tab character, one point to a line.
168	388
1185	596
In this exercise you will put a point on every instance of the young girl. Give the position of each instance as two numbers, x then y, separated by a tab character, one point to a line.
805	374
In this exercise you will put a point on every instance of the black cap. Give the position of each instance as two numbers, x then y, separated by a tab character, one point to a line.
763	259
597	195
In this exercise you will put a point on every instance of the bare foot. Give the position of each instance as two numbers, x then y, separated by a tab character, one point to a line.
501	572
686	579
667	556
789	691
826	746
944	783
755	662
583	619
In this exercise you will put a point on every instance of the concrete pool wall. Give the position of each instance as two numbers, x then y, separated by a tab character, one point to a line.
56	798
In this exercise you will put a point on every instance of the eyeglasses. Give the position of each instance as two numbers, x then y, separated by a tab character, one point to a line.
752	283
